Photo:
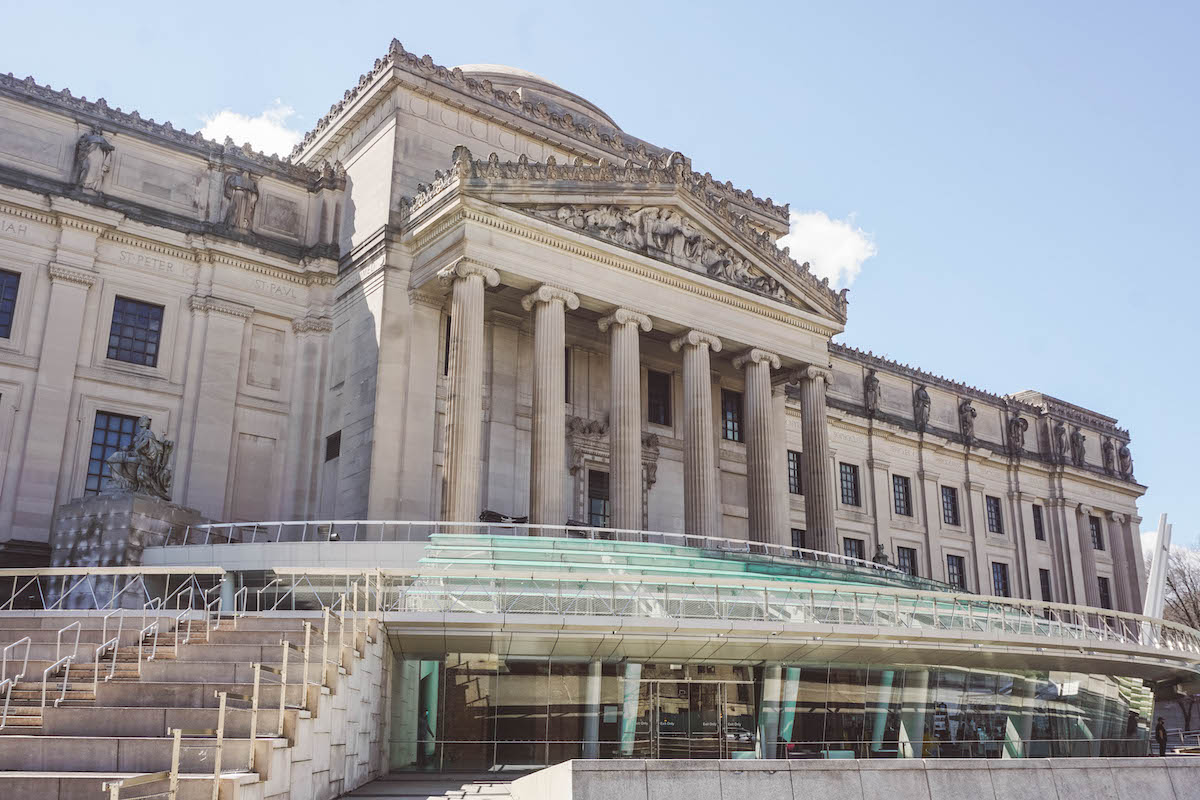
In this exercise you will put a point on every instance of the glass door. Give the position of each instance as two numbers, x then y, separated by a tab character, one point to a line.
699	719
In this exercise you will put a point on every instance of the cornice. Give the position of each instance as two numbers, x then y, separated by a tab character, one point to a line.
604	138
27	213
208	304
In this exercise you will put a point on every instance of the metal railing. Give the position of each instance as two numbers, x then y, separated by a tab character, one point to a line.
171	776
104	588
7	683
904	610
61	661
276	531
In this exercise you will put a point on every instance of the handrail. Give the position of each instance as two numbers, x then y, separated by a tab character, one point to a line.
115	643
170	775
590	532
62	661
244	594
258	594
25	640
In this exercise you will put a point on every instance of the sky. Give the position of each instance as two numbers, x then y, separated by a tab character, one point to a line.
1010	190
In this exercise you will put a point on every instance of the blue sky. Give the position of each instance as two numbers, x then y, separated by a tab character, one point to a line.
1009	188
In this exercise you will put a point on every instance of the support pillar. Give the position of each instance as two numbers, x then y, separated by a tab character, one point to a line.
305	440
625	416
1120	557
701	493
816	460
548	457
1087	557
763	481
591	719
464	402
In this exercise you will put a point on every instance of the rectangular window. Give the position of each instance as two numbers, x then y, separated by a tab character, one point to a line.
1097	533
906	560
567	374
794	484
333	445
1000	580
1044	579
1105	593
956	572
902	495
798	538
853	548
599	507
950	506
446	349
9	281
731	415
658	397
136	328
1039	527
994	516
111	432
849	481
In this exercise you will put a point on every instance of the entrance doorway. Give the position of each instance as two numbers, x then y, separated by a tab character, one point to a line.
696	719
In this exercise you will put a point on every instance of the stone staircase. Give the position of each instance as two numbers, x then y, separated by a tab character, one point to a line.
333	728
438	786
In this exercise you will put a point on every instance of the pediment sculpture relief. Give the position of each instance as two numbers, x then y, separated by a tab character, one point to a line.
665	234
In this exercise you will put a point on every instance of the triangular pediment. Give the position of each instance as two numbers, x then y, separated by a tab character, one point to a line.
661	211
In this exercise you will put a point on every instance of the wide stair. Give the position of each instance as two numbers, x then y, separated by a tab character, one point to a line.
438	786
115	721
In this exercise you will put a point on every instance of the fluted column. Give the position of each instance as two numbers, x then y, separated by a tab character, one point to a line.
464	403
548	456
763	481
815	459
701	493
1087	555
625	416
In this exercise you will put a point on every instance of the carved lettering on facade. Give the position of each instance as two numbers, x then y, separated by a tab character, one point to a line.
276	289
11	227
156	264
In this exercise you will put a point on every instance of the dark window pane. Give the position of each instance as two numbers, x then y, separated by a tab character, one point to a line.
658	397
731	415
1105	593
1039	530
794	484
1097	533
956	571
1000	579
333	445
133	337
1044	580
853	548
902	495
446	349
906	560
8	301
111	432
599	508
849	483
995	521
798	538
950	505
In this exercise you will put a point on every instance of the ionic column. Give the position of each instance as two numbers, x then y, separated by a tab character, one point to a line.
1087	556
763	481
815	459
701	493
464	403
625	416
548	455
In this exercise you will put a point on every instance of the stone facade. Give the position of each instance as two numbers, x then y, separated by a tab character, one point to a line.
416	318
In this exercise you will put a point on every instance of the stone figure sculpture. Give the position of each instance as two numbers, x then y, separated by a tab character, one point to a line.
872	393
880	556
93	159
142	468
1078	458
1060	442
921	408
1108	452
242	193
1017	425
966	420
1125	459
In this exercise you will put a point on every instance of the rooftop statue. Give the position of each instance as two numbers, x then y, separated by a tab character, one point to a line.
93	159
142	468
921	408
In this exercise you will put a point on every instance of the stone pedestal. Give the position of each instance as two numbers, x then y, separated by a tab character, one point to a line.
111	530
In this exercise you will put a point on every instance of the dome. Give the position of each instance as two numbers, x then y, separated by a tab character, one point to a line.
534	88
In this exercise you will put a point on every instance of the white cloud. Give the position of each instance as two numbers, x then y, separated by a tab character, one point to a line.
834	248
267	132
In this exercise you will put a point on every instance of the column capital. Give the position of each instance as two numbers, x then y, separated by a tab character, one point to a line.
207	304
81	277
757	356
420	297
1085	509
625	316
547	293
312	324
1117	517
926	475
694	338
812	372
465	269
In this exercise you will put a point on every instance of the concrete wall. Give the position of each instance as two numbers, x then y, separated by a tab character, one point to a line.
1173	778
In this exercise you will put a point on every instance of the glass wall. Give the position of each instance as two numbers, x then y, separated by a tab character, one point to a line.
479	710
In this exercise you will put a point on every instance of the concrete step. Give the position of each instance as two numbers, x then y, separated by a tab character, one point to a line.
149	722
438	786
172	694
115	753
30	785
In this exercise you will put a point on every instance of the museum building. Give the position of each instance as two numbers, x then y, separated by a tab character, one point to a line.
571	388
